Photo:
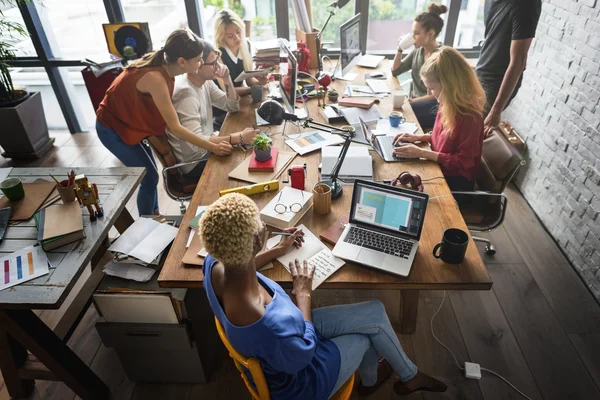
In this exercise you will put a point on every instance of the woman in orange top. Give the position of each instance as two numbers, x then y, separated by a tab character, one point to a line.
138	104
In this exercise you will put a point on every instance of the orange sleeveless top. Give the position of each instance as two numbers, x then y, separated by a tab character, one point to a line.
129	112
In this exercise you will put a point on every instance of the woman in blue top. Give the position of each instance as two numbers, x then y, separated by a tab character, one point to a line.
304	354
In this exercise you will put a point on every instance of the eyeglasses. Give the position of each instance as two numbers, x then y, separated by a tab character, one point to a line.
213	64
281	208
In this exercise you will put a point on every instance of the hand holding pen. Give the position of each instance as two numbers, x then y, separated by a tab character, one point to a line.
290	237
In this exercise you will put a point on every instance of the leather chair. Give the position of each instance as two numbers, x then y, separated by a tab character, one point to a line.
485	208
177	186
260	390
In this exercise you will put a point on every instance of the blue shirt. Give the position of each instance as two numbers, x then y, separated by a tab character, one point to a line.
298	363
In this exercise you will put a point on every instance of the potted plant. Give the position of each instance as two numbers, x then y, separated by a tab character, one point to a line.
262	147
24	129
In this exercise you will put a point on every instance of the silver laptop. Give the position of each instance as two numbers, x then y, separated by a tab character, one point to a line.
384	227
383	144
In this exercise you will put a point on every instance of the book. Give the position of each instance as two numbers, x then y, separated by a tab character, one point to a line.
334	231
263	166
360	102
287	197
196	220
59	225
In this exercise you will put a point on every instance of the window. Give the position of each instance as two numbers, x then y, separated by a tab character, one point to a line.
331	36
36	80
23	44
162	16
470	29
74	30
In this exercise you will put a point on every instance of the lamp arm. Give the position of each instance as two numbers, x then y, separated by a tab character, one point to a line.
338	165
309	123
318	41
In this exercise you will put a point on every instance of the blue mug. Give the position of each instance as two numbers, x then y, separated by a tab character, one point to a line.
395	118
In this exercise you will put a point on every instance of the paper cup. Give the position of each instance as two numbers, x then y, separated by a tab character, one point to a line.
406	41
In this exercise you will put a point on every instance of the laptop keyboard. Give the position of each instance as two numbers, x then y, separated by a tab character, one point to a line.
379	242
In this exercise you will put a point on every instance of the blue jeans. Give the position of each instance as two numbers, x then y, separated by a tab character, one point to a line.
425	111
134	156
360	332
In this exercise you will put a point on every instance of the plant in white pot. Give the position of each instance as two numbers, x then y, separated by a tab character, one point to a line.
24	133
262	147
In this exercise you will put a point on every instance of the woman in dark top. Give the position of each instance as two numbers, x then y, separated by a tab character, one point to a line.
426	28
230	39
457	137
304	354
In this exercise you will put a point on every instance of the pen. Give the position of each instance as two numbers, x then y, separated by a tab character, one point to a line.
284	234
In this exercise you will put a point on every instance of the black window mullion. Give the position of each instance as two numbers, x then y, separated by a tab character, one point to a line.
362	7
114	11
194	16
282	22
452	22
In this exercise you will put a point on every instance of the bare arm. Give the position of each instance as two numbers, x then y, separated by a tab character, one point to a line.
397	60
154	84
518	60
428	97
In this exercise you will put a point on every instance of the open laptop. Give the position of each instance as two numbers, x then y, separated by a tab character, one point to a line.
383	144
384	227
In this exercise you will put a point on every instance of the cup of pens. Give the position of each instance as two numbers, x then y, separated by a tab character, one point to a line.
66	188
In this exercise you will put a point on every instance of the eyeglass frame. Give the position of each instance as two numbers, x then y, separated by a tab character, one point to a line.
288	207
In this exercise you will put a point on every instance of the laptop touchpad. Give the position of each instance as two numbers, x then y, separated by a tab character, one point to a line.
367	256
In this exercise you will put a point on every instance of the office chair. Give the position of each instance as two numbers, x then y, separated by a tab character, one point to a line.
485	208
177	186
253	366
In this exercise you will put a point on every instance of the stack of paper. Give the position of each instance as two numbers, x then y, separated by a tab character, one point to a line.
266	53
314	140
358	163
289	198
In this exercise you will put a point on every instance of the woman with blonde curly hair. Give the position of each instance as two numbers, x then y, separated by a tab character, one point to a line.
457	137
304	353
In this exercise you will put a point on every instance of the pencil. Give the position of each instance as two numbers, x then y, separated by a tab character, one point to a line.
284	234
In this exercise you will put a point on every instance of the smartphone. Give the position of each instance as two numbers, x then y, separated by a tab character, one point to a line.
4	218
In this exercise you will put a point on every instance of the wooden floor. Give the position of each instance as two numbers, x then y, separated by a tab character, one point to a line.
539	326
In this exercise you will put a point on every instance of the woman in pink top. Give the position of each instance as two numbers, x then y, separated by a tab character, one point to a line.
457	137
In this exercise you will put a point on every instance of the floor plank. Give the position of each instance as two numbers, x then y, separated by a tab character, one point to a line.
433	359
552	359
588	348
161	391
575	307
506	253
107	366
491	343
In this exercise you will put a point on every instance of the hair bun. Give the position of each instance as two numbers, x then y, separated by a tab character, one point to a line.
437	9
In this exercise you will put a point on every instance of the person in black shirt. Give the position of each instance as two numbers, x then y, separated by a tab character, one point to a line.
230	34
509	29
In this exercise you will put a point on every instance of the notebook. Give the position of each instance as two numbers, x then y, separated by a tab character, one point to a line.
59	225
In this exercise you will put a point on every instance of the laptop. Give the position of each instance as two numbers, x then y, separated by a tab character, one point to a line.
384	227
383	144
370	61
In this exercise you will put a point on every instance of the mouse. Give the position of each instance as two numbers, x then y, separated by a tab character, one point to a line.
377	75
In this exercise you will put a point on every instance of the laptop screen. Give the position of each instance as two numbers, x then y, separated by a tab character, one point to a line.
388	208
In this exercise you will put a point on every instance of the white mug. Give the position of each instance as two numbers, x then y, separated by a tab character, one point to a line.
398	98
406	41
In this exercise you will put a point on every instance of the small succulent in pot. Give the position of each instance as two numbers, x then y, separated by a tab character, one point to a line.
262	147
333	95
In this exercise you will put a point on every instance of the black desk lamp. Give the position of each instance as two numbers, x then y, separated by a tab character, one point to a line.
273	112
332	8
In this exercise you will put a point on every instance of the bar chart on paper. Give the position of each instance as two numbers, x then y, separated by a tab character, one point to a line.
23	265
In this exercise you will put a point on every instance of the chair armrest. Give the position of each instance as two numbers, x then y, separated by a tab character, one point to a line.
480	193
181	165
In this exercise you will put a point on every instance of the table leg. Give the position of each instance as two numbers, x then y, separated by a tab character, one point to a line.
12	356
124	221
26	328
409	308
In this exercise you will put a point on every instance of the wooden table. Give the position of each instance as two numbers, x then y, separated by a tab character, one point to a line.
426	273
21	330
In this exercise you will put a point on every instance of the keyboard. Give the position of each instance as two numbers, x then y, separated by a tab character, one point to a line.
379	242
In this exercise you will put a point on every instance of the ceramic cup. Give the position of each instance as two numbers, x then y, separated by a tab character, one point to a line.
395	118
398	98
257	93
13	189
453	246
406	41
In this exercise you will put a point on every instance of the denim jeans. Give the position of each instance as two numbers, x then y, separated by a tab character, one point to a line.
134	156
360	332
425	111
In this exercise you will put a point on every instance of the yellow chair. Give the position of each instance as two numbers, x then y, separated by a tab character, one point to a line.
252	365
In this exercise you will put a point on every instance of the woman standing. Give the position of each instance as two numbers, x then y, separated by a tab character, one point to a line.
426	28
138	104
457	137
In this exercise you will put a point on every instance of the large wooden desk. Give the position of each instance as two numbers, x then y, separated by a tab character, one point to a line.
20	328
427	272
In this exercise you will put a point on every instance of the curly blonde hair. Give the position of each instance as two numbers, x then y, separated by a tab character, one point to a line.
228	228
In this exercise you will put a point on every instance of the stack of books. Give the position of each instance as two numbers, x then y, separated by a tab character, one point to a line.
59	225
266	53
263	166
295	203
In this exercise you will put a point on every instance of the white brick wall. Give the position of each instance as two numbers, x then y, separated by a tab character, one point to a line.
557	112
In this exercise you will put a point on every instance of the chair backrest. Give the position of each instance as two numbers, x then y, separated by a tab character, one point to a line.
162	150
251	364
499	163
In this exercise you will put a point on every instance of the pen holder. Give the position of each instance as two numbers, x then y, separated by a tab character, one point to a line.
66	193
321	198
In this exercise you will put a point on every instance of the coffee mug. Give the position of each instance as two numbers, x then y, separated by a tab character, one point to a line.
257	93
398	98
395	118
452	247
12	189
406	41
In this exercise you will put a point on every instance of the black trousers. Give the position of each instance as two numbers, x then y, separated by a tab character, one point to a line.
491	87
459	184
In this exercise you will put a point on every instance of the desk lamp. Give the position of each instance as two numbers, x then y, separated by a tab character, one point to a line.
272	112
332	8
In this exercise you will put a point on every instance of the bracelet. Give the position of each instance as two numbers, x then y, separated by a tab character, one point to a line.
229	139
241	140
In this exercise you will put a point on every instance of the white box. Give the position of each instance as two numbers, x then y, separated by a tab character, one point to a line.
287	196
358	161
